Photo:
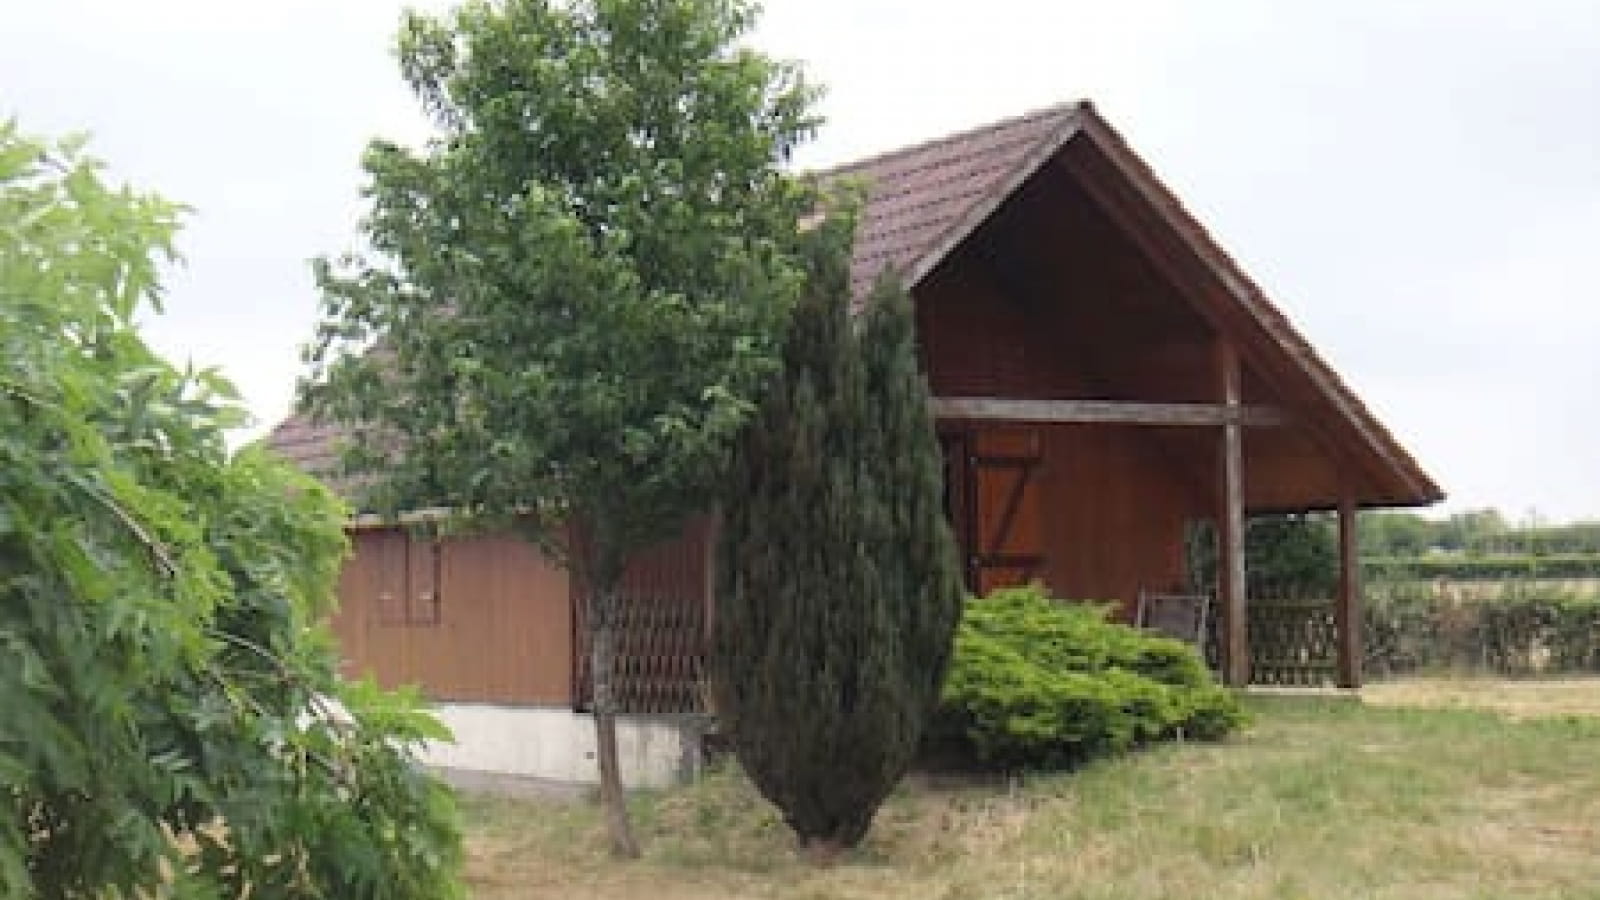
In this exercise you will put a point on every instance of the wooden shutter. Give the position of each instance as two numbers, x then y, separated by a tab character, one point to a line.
407	577
1006	540
393	573
422	596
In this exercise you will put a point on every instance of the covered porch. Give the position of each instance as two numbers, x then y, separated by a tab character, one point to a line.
1052	491
1105	380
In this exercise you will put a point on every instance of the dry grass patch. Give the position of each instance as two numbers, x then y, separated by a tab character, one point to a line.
1517	698
1320	798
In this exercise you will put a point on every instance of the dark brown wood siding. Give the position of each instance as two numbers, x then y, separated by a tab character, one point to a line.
1049	302
978	341
1098	515
477	619
1115	512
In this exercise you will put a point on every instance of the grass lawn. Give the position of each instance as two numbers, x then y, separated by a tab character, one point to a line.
1412	793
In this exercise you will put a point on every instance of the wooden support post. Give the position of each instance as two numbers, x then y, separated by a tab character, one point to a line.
1231	585
1347	610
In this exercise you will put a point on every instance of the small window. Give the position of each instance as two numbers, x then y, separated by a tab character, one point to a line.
407	578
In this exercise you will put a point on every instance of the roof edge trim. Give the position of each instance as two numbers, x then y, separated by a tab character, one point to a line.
1002	191
1239	285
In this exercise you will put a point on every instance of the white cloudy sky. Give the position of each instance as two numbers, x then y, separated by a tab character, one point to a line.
1416	181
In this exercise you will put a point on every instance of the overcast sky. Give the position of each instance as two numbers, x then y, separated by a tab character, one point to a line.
1416	183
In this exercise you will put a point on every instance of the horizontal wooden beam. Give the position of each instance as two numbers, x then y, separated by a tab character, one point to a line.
428	516
1104	411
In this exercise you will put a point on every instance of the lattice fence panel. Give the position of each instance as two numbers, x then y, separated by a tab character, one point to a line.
661	656
1293	642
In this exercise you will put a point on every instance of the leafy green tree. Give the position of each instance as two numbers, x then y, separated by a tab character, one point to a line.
839	588
1572	537
1474	531
1286	555
1293	555
1395	534
576	288
174	723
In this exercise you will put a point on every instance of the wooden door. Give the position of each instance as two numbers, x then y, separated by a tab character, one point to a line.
994	498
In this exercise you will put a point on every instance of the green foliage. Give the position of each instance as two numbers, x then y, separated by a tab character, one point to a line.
1037	683
1483	531
577	287
1567	538
1289	555
170	699
1294	555
839	587
1473	531
1385	533
1515	630
1484	568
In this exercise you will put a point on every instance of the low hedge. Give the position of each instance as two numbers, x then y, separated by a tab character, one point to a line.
1519	631
1037	683
1484	568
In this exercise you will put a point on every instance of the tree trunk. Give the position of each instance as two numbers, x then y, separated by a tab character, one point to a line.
613	799
821	852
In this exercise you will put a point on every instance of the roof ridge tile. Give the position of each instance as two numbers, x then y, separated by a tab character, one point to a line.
1062	110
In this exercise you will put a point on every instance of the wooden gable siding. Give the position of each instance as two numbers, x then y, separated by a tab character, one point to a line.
1051	300
483	618
977	342
1374	467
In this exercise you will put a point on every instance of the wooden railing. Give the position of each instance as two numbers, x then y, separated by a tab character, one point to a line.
1293	642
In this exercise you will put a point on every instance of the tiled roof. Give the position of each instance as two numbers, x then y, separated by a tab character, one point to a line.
309	445
918	198
922	201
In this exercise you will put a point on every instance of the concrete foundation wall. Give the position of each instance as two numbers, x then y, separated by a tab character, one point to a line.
557	745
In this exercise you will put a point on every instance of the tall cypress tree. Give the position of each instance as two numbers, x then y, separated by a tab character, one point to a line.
839	587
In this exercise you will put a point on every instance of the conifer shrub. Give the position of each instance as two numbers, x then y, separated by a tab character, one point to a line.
1039	683
839	585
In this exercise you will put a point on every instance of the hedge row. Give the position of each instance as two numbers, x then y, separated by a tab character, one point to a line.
1519	632
1484	568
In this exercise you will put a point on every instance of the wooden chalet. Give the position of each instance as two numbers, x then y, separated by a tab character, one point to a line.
1105	376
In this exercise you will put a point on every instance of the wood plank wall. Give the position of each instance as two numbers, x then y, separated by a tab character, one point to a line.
1114	498
474	619
1115	514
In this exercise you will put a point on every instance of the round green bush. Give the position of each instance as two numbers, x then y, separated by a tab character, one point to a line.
1038	683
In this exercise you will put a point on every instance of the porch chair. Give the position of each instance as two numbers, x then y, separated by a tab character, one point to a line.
1184	616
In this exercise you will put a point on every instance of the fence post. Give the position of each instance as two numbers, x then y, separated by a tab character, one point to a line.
1347	609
